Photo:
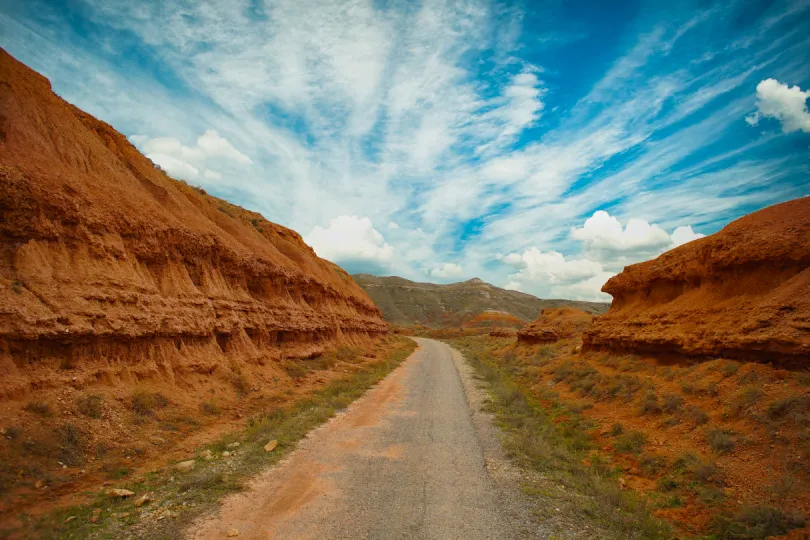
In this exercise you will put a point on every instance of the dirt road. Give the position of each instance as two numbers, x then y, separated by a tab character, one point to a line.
413	458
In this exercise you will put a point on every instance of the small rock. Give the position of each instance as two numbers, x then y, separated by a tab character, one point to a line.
226	454
185	466
69	519
95	515
123	514
38	484
117	492
143	500
232	533
207	455
269	447
233	445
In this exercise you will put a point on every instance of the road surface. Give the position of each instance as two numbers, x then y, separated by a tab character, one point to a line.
413	458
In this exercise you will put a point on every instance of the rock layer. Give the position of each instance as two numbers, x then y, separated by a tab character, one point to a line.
555	324
743	292
108	263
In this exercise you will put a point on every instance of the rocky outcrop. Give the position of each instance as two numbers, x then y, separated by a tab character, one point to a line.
743	292
555	324
110	266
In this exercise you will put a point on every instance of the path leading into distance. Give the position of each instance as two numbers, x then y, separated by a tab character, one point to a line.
413	458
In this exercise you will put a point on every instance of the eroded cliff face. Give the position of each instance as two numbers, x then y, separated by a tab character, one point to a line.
743	292
555	324
111	271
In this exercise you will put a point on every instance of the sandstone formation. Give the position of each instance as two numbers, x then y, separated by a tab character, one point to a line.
555	324
743	292
113	272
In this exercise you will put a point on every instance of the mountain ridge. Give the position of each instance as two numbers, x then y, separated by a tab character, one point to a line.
407	302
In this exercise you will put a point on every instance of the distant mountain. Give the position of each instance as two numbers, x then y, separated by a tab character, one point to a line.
469	303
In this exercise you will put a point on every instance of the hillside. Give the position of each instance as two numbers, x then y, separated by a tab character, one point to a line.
743	292
407	302
124	292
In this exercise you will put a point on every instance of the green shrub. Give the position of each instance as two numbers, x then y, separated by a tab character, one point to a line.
672	403
631	442
145	403
721	441
210	408
649	403
617	429
91	405
729	369
756	523
744	399
782	406
39	407
697	415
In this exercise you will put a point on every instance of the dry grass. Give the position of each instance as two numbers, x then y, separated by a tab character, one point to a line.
199	492
554	439
91	405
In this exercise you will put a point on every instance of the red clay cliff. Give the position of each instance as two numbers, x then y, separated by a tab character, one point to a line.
743	292
110	266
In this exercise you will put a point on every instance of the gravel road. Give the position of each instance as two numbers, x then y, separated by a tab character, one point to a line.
413	458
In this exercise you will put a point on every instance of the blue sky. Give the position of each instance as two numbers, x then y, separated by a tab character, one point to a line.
540	145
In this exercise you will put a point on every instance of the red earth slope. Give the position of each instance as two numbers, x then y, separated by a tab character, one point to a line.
108	263
743	292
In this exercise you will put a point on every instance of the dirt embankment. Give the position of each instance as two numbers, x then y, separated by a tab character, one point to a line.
555	324
119	285
743	292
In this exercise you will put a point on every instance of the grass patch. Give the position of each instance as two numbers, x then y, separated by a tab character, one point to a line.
631	442
559	449
146	403
210	408
756	523
721	441
189	496
39	407
91	405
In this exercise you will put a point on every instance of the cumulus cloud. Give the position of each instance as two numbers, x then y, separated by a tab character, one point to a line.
605	239
682	235
393	225
551	274
788	104
212	145
607	246
182	161
351	242
445	271
175	167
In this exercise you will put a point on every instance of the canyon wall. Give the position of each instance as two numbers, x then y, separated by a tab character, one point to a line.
111	271
743	292
555	324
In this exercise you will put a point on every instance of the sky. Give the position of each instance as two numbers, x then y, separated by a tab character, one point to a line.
540	146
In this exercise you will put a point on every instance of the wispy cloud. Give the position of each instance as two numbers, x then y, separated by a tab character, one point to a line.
424	139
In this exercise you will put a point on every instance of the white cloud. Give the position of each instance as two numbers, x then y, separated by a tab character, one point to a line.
175	167
393	225
212	175
607	246
212	145
604	232
788	104
445	271
346	108
351	241
685	234
183	161
551	274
